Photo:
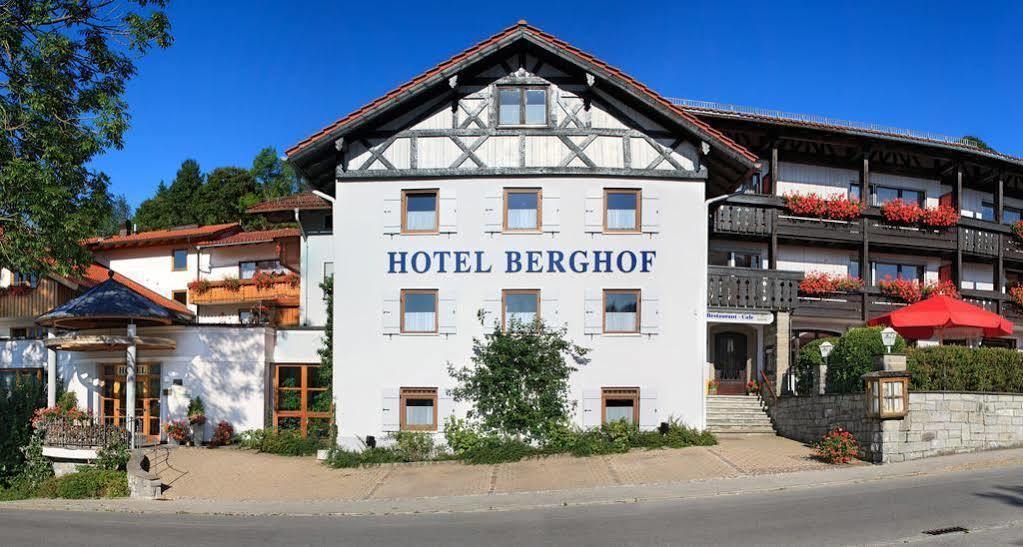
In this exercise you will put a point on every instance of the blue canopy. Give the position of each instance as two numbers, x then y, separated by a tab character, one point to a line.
109	304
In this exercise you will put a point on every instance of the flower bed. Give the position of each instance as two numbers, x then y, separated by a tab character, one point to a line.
836	207
820	283
838	446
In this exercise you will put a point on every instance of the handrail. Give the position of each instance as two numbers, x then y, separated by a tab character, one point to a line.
769	385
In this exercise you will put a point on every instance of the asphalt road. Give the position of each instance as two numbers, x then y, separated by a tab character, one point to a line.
989	503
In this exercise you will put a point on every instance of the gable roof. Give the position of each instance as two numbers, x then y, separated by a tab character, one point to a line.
97	273
163	237
249	238
523	31
303	201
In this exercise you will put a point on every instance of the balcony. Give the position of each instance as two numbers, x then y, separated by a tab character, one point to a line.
978	242
882	233
839	306
282	290
751	289
743	220
835	231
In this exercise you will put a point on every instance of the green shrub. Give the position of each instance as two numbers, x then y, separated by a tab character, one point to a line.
341	458
113	456
807	361
959	368
853	357
413	446
67	401
17	405
492	449
91	483
282	442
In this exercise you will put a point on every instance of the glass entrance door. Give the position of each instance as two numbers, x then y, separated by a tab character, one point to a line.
113	402
730	358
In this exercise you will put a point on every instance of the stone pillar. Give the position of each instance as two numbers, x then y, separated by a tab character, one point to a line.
51	373
821	379
129	386
782	334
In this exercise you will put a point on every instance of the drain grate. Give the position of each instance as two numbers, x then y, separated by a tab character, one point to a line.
949	530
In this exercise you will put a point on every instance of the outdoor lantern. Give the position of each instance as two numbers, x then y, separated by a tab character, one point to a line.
826	348
887	394
888	338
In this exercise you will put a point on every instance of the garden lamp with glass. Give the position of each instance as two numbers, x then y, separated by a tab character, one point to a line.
888	337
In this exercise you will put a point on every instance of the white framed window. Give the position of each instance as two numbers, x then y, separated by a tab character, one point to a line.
419	311
328	270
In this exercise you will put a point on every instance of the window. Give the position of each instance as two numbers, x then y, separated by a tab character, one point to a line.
854	191
28	333
621	310
883	195
854	268
418	311
418	408
328	270
521	210
180	258
621	210
883	270
522	106
987	211
249	269
11	377
519	307
619	403
180	296
18	278
419	212
1011	215
301	400
735	259
254	316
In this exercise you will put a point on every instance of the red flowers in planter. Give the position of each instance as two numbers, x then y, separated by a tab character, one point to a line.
819	283
911	290
1016	294
838	446
263	280
200	286
836	207
903	212
1017	228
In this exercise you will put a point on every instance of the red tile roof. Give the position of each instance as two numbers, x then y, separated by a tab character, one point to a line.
163	237
525	29
248	238
97	273
304	200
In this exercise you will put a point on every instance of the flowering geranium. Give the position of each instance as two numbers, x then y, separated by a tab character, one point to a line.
942	216
902	212
943	287
177	430
1016	294
818	283
838	446
907	290
752	387
836	207
264	280
200	286
1017	228
197	419
43	416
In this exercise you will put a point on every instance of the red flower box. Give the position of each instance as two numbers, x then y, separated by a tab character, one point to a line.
1016	294
902	212
819	283
911	291
942	216
836	207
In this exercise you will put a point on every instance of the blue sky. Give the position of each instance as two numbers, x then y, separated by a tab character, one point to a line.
244	75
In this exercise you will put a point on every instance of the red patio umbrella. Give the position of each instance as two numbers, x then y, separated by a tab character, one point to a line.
944	317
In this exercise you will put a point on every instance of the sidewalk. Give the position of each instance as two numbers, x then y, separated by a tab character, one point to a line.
735	483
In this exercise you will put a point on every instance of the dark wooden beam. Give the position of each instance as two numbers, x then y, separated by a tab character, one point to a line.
774	169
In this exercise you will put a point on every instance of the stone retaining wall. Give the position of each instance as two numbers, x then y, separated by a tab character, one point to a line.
937	423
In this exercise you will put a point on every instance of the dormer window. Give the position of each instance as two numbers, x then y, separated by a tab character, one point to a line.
522	106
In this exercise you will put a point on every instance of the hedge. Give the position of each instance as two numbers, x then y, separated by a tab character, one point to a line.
959	368
853	357
807	362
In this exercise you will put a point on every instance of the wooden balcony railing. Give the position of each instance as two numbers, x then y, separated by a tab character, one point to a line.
1012	247
751	289
743	220
843	306
978	242
219	292
911	237
820	229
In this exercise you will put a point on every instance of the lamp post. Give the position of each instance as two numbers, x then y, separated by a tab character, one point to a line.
822	371
888	338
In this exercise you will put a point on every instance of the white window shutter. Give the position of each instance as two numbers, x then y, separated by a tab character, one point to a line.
649	312
390	406
594	315
648	416
549	311
448	212
594	211
651	212
391	316
551	211
392	215
591	407
445	407
493	212
491	313
446	315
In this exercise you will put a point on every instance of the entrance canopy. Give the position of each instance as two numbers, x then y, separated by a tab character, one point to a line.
110	304
944	317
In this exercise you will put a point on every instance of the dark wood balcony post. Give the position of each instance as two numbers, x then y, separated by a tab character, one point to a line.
772	248
866	272
774	168
865	177
957	264
999	197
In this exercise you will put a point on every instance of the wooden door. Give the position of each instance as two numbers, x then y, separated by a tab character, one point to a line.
730	357
113	399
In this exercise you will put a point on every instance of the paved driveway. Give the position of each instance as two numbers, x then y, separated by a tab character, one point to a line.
240	475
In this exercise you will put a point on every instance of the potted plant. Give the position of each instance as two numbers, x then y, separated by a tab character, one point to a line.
232	284
712	387
752	387
200	286
197	420
177	432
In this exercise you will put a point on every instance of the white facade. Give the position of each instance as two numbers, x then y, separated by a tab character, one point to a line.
153	267
373	360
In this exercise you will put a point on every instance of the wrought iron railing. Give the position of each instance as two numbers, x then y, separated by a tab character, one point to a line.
80	433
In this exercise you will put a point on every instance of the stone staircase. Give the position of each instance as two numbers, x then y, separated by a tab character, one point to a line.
737	414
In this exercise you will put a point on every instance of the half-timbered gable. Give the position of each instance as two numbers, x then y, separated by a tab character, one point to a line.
468	117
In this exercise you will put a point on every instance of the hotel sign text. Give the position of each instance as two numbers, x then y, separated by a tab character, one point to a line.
578	261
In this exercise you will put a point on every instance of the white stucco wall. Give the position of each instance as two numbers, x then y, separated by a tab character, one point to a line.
222	262
667	367
298	345
317	251
152	267
815	259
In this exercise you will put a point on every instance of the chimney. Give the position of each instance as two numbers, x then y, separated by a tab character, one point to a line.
125	229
